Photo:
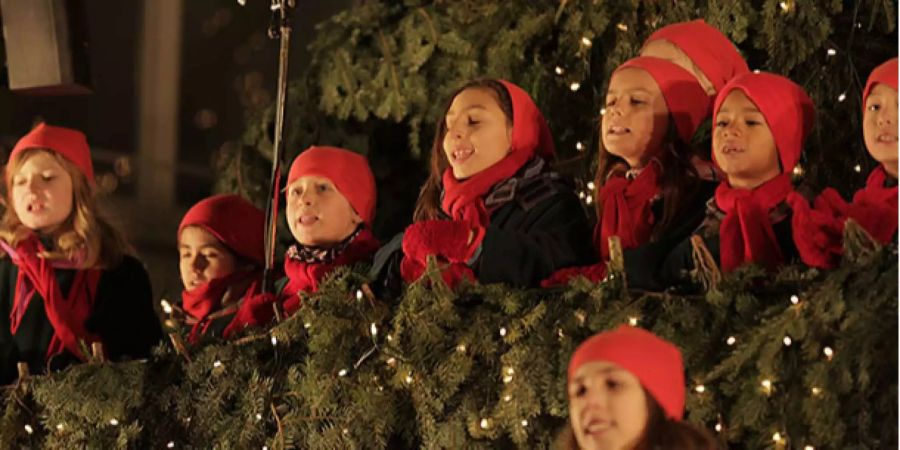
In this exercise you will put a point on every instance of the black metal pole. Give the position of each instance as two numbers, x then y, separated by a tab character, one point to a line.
280	29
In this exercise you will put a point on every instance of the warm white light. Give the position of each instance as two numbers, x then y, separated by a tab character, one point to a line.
731	340
795	299
485	424
700	389
559	70
502	331
113	422
832	52
586	41
342	373
633	321
575	86
842	97
787	341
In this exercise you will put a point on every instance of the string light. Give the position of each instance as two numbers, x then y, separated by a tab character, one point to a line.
767	386
389	338
60	427
718	428
756	70
258	416
633	321
816	390
731	340
345	431
832	52
373	329
409	378
795	299
559	332
507	397
602	111
461	348
166	306
809	447
586	41
507	379
113	422
777	437
217	364
575	86
274	341
28	429
622	27
798	170
579	146
787	341
590	185
524	422
829	353
307	325
559	70
857	168
700	389
359	294
784	6
581	195
842	97
342	373
391	361
485	424
171	444
502	331
589	199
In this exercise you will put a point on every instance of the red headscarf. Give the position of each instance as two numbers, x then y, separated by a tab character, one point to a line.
463	200
886	73
746	233
349	172
71	144
654	361
707	47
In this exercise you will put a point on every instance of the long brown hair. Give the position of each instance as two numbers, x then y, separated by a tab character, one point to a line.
428	206
85	230
679	181
660	433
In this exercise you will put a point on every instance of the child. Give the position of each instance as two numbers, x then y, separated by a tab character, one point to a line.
700	49
220	244
65	277
819	232
330	207
707	54
648	189
492	209
626	391
760	121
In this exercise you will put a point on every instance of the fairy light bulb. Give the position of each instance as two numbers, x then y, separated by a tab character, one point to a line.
166	306
359	294
342	373
795	300
502	331
857	168
816	390
622	27
832	52
731	340
575	86
485	424
700	389
559	70
579	146
787	341
829	352
633	321
842	97
586	41
373	329
591	185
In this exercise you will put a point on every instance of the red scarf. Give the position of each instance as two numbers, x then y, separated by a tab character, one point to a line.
875	207
746	233
305	277
66	314
207	298
627	209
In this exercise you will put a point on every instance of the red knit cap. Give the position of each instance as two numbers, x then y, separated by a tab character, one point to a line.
654	361
713	53
232	220
71	144
687	101
530	130
349	172
788	111
886	73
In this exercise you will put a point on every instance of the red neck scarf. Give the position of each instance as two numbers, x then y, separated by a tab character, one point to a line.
746	233
305	277
66	314
627	209
875	206
207	298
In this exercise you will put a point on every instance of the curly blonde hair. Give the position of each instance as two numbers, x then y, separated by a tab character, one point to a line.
86	231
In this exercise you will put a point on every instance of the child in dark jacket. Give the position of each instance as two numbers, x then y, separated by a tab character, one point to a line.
874	207
760	121
492	210
66	278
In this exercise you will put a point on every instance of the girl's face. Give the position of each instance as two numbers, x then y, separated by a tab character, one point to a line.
317	213
203	258
743	143
607	407
880	126
664	49
478	132
42	192
636	118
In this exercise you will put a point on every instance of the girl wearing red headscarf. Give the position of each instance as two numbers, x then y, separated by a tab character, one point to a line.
67	279
648	190
820	231
220	247
761	121
626	392
491	209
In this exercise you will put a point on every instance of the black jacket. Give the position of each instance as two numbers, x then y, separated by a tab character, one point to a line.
537	225
122	315
667	263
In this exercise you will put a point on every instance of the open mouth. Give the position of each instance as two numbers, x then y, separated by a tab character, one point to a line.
597	427
732	149
617	131
460	155
886	138
307	220
35	207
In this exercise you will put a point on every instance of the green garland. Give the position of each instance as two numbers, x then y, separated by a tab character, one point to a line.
804	359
